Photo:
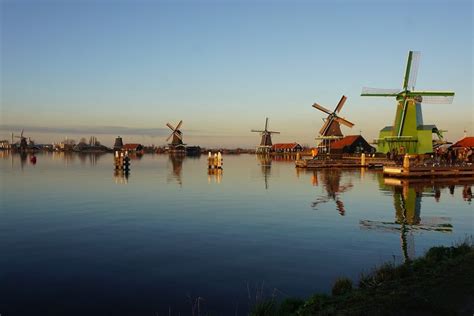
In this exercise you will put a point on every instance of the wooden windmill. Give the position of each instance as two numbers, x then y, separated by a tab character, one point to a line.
266	141
408	133
23	143
331	129
177	138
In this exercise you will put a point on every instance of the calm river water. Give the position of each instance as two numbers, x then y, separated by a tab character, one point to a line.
75	238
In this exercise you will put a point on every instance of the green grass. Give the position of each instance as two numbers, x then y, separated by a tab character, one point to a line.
439	283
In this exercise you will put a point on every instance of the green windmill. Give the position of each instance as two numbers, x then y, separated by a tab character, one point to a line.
408	132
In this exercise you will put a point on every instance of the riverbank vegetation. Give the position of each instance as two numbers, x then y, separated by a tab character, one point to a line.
439	283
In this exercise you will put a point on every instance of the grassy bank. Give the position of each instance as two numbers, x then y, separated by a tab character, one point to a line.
441	283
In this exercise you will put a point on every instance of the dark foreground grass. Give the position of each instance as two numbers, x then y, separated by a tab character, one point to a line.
439	283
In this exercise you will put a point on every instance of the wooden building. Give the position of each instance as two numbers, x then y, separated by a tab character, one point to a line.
351	144
464	148
287	148
133	148
5	144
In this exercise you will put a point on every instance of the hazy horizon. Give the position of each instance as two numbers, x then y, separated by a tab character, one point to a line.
101	68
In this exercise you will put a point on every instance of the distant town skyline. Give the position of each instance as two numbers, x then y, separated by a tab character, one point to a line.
106	69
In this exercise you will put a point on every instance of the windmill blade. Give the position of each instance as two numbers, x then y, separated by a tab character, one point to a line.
256	131
266	123
179	125
272	132
411	71
377	92
170	126
21	135
321	108
344	121
322	131
437	99
340	104
434	97
178	134
167	139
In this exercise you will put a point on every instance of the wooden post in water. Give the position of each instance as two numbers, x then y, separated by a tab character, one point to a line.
406	162
362	159
219	160
122	161
214	162
209	161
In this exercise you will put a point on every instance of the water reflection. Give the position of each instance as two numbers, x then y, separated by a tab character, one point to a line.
92	158
23	158
177	165
121	176
331	181
265	162
66	156
407	197
214	175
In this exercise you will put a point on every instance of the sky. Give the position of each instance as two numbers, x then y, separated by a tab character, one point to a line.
107	68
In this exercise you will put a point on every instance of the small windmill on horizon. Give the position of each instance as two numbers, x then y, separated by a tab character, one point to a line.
177	138
331	129
23	143
266	142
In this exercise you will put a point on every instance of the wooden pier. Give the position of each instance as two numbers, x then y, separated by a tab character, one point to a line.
428	172
343	162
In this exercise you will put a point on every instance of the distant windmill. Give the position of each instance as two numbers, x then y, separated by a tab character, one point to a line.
23	142
408	130
266	141
177	135
331	129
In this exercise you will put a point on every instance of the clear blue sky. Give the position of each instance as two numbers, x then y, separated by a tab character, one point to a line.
77	68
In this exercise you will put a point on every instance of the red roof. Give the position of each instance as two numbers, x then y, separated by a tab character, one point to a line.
131	146
346	141
465	142
283	146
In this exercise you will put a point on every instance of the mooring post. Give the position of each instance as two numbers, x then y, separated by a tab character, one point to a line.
362	159
219	160
406	162
209	161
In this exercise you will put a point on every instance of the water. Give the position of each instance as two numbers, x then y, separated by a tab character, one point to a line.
78	239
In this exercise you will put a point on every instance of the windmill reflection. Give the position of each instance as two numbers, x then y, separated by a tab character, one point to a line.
23	155
266	167
331	181
177	166
407	203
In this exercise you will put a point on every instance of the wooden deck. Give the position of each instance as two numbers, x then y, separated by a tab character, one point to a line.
350	162
429	172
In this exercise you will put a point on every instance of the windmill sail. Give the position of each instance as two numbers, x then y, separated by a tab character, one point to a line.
378	92
340	104
344	121
437	99
413	71
321	108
